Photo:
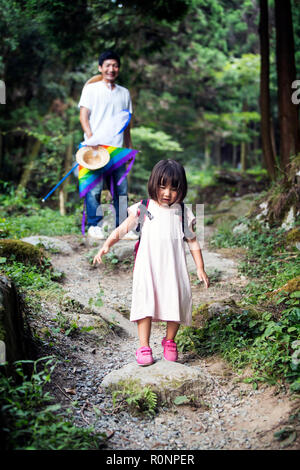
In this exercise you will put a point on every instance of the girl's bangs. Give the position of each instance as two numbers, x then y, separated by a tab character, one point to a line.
169	178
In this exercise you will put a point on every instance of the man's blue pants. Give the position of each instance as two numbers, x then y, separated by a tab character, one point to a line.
93	199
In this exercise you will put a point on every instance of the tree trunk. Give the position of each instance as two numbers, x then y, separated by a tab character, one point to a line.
1	152
267	147
286	74
234	155
29	165
218	153
273	140
63	194
244	145
244	148
206	152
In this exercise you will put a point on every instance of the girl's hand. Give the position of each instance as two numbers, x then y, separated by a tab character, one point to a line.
103	251
202	276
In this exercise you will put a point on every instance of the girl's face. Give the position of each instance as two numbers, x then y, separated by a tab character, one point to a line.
166	194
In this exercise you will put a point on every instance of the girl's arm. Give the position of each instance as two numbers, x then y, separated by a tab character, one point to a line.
115	236
197	255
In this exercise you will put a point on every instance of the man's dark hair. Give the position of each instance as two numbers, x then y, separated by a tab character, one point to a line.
108	55
168	172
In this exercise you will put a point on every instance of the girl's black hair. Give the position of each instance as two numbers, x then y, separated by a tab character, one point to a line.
168	172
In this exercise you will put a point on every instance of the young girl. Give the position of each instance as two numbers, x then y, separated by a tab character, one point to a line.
161	286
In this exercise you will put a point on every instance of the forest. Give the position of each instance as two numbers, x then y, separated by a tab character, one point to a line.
215	84
195	71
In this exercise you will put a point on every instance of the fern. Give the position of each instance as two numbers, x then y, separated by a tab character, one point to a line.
141	400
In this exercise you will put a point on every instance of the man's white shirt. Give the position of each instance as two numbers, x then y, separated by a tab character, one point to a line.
105	106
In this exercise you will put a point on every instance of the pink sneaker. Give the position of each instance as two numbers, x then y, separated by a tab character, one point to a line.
170	350
144	356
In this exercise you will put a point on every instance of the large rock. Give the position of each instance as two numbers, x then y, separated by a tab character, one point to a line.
49	243
167	379
230	209
124	249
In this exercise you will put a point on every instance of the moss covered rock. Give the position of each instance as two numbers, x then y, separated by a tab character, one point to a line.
23	252
209	310
293	236
223	308
292	285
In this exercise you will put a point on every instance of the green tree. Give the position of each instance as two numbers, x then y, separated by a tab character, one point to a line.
286	75
266	125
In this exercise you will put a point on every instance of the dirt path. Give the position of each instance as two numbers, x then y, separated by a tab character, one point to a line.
231	416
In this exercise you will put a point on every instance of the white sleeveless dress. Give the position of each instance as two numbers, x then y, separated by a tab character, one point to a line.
161	285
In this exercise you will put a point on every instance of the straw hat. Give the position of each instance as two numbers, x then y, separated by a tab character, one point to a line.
91	158
94	79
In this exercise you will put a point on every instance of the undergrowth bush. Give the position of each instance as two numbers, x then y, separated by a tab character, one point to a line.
23	215
31	420
44	221
271	347
30	278
266	256
270	341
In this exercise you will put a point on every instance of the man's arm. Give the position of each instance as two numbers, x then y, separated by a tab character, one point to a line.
127	137
84	121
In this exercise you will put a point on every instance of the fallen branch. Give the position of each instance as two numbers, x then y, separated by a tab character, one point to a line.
87	403
63	392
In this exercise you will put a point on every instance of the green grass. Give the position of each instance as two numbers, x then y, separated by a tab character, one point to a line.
22	215
46	222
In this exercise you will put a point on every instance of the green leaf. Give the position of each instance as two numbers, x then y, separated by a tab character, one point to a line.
295	387
181	400
289	440
296	294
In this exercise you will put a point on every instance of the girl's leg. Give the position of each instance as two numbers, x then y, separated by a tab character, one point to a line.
168	343
144	330
172	328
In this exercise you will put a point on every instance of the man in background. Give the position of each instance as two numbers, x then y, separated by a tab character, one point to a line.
99	104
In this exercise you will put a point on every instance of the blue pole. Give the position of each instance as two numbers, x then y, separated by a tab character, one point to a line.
61	181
